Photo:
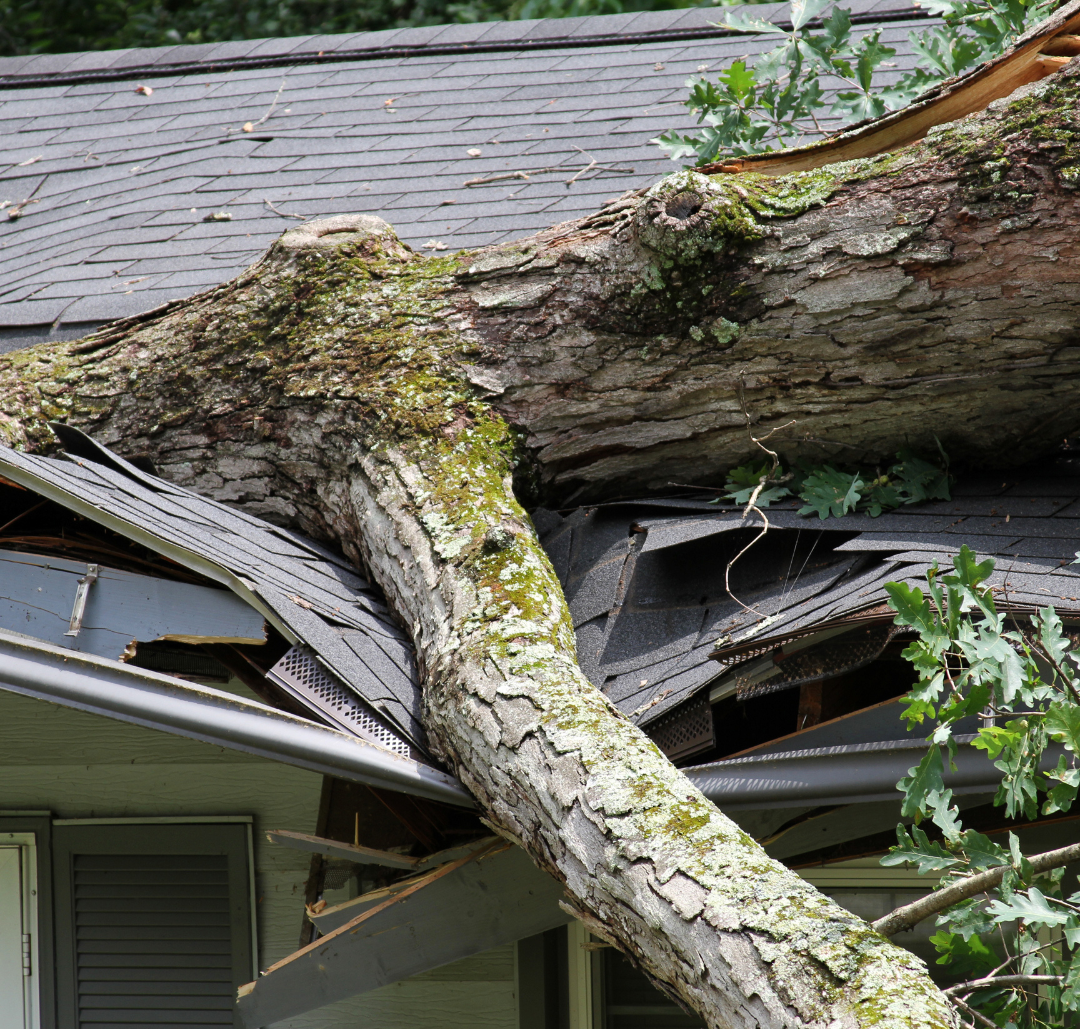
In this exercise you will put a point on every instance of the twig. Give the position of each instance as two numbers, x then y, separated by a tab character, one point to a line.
708	489
273	105
589	167
484	180
752	504
911	914
16	210
992	982
526	175
283	214
974	1014
251	126
650	703
1057	667
573	178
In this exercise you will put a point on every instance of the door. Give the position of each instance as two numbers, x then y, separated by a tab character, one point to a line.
18	988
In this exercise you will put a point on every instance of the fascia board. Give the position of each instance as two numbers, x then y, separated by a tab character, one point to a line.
189	559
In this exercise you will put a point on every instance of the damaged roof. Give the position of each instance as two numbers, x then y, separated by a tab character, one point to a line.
334	619
145	176
655	624
661	627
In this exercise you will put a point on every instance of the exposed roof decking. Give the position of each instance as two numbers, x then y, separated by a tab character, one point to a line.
645	579
309	593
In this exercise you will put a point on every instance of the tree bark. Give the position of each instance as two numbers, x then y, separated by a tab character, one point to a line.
404	406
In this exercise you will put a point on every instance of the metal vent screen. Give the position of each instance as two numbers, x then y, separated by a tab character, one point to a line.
300	674
847	653
686	731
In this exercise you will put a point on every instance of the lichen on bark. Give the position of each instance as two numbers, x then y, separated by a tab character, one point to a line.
390	402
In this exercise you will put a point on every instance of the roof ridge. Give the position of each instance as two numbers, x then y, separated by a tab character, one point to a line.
112	65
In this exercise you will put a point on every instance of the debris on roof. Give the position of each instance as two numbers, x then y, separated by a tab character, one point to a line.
711	673
130	199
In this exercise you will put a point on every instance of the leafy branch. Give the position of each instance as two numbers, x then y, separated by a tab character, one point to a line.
827	491
820	69
1022	681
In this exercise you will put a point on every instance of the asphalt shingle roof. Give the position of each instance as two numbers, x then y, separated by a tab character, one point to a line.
121	181
313	594
645	579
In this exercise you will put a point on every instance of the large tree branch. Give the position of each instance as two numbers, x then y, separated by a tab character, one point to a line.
389	402
912	914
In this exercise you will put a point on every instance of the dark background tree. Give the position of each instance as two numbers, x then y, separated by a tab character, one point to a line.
63	26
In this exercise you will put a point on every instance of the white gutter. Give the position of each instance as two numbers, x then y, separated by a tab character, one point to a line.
141	697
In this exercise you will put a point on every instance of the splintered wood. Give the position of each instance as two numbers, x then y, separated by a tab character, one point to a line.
1040	52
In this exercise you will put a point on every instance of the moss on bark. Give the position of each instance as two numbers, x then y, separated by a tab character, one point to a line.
393	398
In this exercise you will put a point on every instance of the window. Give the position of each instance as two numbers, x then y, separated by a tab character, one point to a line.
568	979
630	1001
150	920
871	891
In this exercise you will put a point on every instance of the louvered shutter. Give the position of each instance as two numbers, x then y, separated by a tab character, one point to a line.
149	939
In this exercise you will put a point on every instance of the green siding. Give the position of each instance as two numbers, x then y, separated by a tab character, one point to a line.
80	765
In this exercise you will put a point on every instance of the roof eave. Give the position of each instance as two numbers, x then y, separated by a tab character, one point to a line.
142	697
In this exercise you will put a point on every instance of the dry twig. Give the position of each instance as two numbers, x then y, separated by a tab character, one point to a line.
283	214
251	126
593	165
15	211
752	505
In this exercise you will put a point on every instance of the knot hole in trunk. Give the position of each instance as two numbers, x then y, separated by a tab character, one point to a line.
683	205
680	223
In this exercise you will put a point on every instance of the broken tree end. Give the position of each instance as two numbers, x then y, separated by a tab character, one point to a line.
1041	52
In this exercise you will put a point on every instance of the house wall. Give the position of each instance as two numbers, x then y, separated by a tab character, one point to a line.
80	765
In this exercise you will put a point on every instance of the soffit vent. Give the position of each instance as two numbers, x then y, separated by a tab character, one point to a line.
686	731
300	674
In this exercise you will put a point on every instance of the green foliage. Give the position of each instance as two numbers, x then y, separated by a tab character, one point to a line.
1024	683
967	958
827	491
744	480
781	99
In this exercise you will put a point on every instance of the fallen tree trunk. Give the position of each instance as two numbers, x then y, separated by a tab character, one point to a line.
391	402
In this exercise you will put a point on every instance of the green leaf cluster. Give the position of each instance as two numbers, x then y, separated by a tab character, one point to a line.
827	491
1023	682
824	69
